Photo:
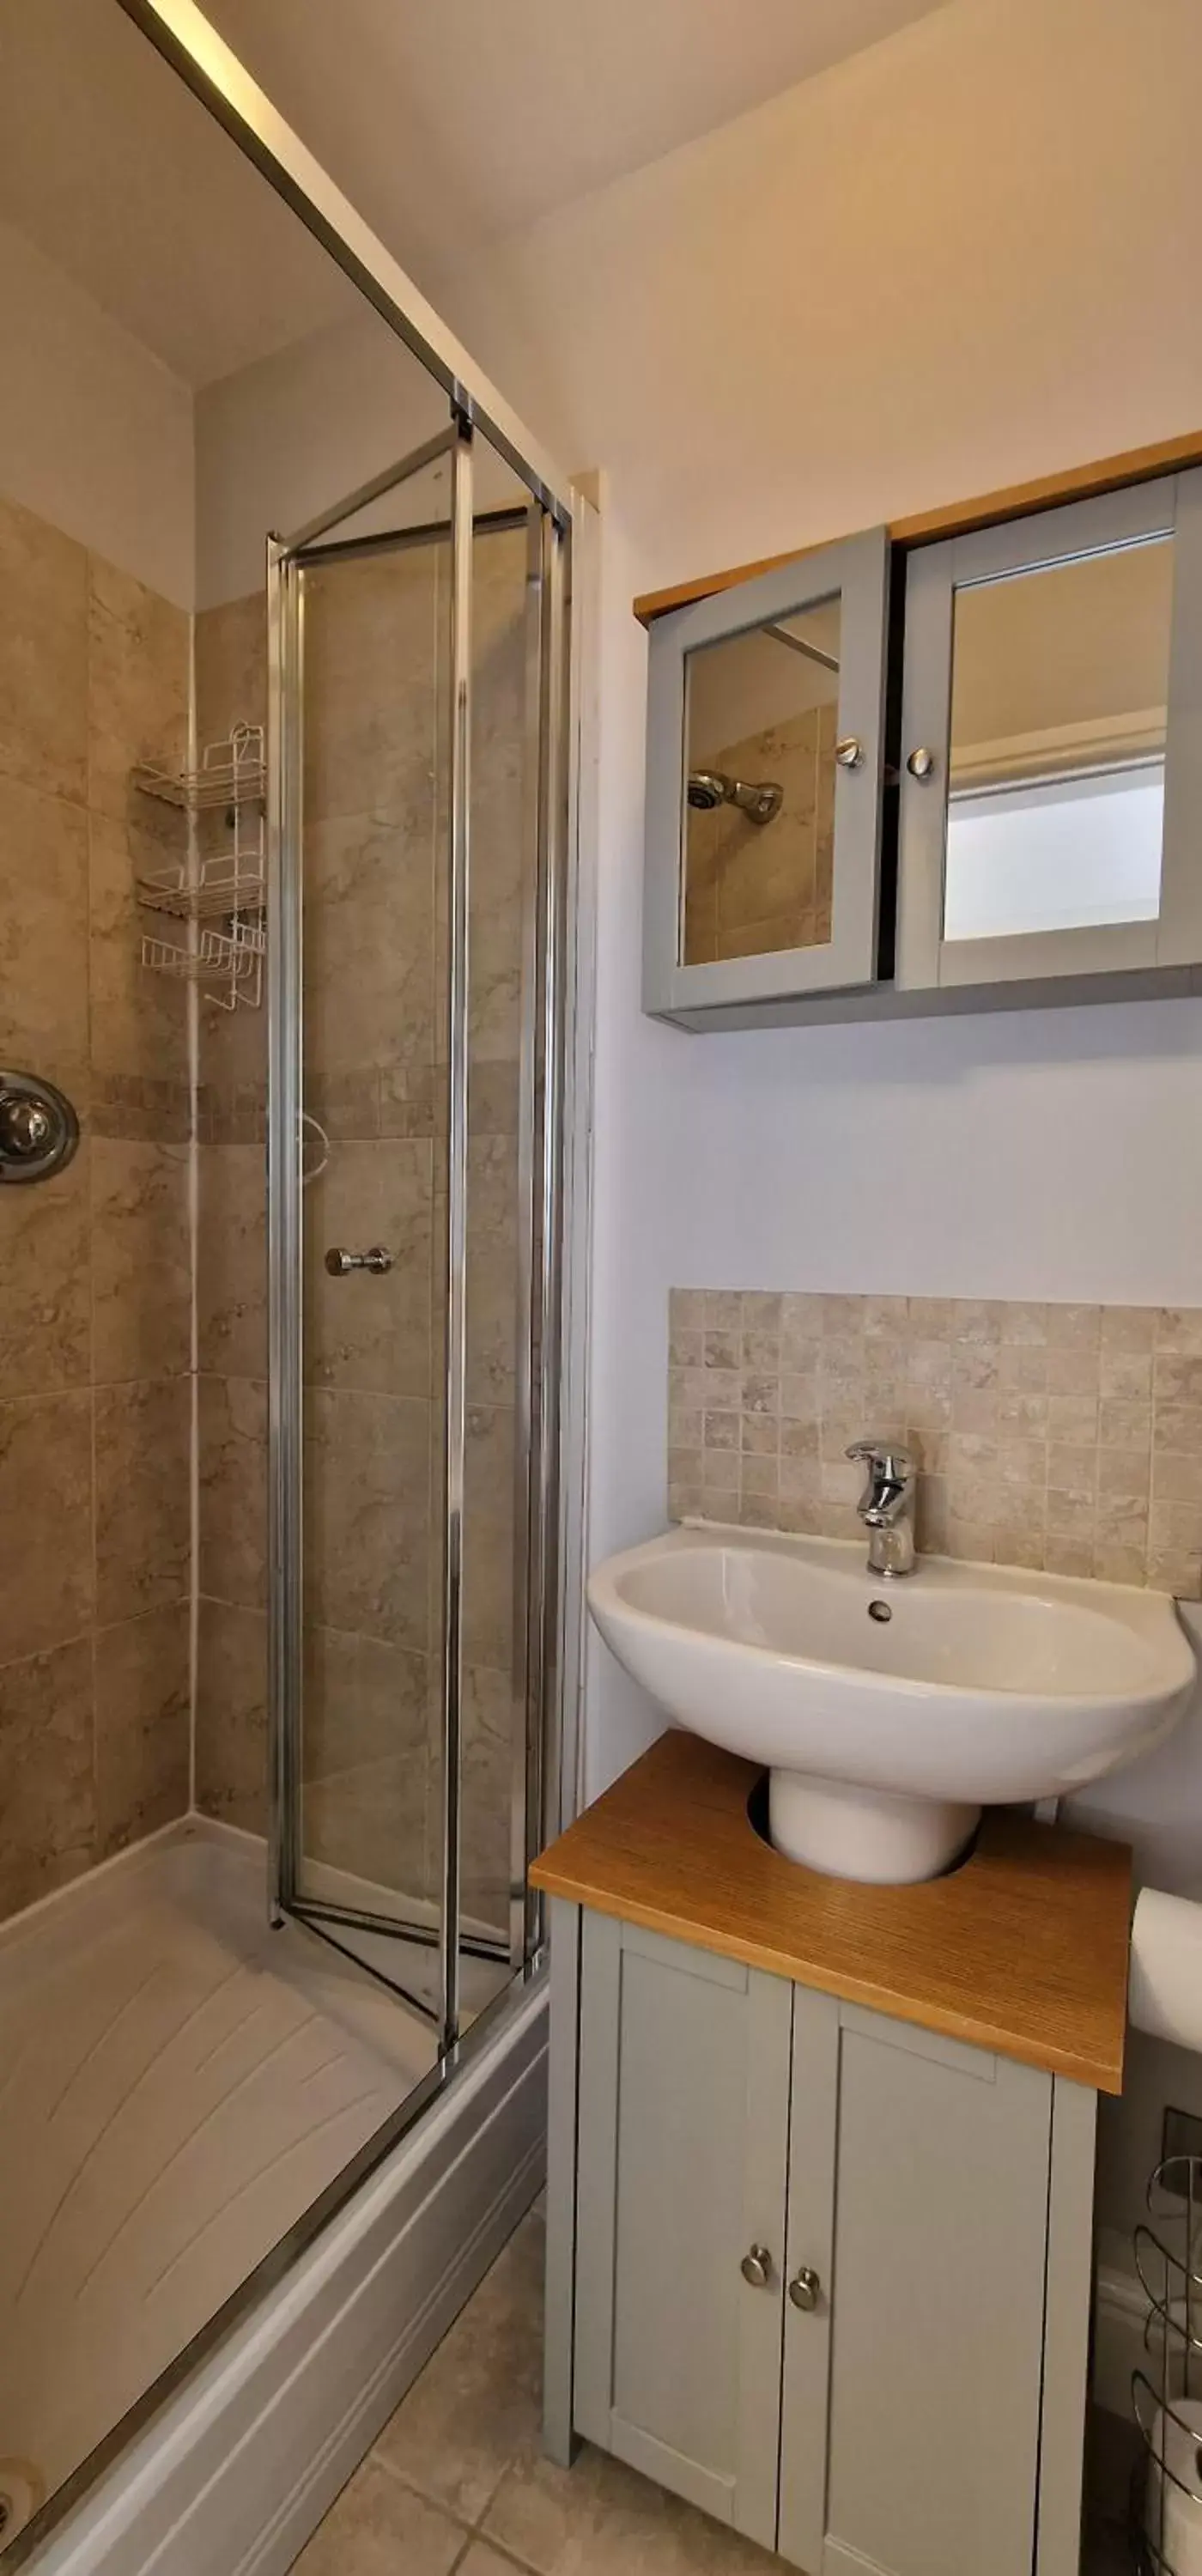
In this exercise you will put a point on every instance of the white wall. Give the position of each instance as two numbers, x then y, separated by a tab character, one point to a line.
957	260
95	433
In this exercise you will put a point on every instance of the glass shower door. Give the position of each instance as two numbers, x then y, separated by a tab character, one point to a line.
410	1152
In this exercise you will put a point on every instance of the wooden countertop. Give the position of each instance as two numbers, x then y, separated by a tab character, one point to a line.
1023	1949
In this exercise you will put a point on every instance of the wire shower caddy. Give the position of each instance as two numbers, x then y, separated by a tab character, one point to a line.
221	892
1167	2397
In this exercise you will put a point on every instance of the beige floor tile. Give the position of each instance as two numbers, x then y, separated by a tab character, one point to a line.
481	2559
601	2519
476	2405
379	2527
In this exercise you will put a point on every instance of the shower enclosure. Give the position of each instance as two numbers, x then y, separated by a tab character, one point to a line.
291	1431
415	1066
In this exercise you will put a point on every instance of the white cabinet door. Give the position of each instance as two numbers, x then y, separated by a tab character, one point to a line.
683	2119
938	2306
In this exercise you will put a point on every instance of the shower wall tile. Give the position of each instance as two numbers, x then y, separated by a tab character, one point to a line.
44	935
141	1259
372	654
488	1536
231	666
45	1309
139	663
364	1797
143	1725
94	1324
46	1796
367	1514
1061	1437
369	940
139	1021
46	1521
43	656
364	1331
232	1430
143	1496
231	1715
231	1261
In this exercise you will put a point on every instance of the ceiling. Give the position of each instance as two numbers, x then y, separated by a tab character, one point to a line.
450	122
447	122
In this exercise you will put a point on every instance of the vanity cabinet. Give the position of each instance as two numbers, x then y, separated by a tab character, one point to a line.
897	777
820	2271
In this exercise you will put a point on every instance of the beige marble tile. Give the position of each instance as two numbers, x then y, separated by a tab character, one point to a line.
43	655
139	1020
138	681
141	1260
367	1331
372	1822
600	2518
46	1520
490	1729
46	1798
143	1720
492	1268
45	1310
367	1513
231	1715
44	936
477	2402
364	1701
488	1536
369	941
232	1430
143	1496
231	1261
380	2527
371	682
230	666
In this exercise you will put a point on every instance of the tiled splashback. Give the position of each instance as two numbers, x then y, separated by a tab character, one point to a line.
1062	1437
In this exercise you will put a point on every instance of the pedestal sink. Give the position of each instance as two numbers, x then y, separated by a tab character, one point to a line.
888	1715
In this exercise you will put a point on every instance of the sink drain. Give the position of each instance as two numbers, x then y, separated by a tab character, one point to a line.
22	2490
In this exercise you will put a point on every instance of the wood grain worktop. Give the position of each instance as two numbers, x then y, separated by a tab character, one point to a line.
1022	1949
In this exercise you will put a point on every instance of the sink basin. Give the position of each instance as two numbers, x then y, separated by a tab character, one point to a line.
889	1714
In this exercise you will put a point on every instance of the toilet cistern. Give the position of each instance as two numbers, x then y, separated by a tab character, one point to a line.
886	1505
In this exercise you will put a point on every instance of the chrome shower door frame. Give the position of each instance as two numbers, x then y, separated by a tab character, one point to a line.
544	1036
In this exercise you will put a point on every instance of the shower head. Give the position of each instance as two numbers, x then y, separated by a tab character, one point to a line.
709	788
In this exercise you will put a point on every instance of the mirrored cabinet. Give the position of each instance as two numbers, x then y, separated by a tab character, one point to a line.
1023	827
1052	745
764	772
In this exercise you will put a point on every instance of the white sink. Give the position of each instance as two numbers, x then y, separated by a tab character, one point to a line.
888	1714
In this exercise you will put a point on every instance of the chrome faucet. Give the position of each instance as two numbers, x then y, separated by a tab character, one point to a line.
886	1505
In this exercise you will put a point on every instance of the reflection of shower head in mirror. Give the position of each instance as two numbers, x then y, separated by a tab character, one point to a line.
709	787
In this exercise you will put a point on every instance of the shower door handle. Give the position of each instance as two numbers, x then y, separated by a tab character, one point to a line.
339	1260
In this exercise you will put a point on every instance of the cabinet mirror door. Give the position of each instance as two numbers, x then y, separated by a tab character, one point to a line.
763	785
1053	689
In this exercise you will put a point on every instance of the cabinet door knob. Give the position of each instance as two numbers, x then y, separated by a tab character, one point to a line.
756	2267
921	762
805	2288
850	752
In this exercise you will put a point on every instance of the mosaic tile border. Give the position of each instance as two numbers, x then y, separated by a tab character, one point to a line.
1061	1437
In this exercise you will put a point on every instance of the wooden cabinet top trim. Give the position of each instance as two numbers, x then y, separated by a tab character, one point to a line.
1075	483
1022	1950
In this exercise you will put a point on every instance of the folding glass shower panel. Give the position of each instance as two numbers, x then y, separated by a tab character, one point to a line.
414	1012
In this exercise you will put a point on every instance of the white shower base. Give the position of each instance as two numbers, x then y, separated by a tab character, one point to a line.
178	2083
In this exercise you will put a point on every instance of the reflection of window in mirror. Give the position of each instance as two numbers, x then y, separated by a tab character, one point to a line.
1056	775
758	835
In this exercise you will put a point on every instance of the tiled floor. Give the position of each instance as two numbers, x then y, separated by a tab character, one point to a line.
457	2479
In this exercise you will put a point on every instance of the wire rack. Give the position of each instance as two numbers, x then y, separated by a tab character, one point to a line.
1167	2396
225	886
231	772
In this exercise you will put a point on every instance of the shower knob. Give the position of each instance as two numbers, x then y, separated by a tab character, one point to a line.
921	762
39	1130
850	752
339	1261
